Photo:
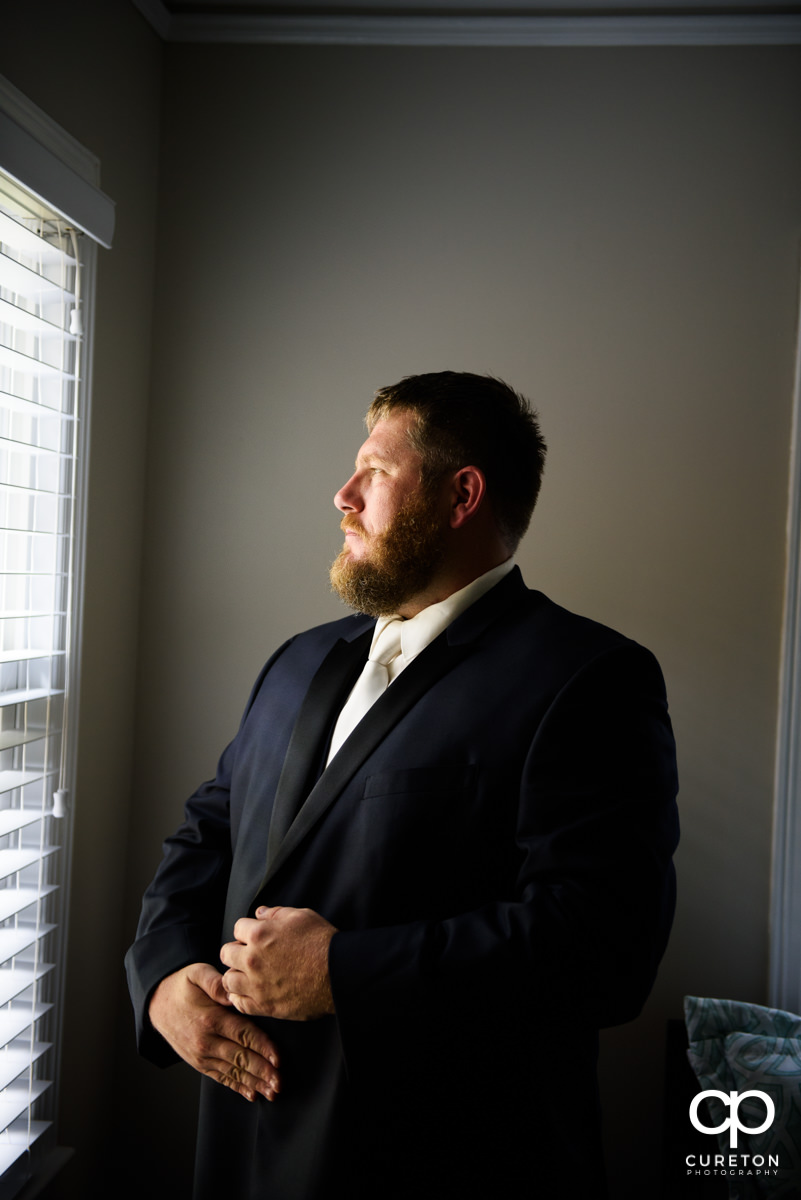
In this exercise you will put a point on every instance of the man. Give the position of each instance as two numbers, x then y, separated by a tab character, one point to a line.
434	874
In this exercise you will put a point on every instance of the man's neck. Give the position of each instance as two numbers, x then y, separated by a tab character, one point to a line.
445	585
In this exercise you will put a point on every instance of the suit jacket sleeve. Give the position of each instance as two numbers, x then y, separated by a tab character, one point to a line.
182	909
580	932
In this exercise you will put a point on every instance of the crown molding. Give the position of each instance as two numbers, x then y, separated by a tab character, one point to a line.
464	29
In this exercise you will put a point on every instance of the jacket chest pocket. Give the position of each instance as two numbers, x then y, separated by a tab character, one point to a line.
417	833
417	818
422	785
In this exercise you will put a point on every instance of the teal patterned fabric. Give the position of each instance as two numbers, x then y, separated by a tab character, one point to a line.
735	1047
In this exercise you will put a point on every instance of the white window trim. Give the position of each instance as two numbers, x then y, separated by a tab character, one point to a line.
785	933
48	161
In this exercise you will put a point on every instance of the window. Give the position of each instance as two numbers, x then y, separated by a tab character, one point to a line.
46	275
39	369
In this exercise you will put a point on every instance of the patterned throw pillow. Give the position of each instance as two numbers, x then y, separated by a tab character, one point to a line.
737	1047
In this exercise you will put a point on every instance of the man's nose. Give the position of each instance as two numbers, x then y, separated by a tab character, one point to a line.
347	498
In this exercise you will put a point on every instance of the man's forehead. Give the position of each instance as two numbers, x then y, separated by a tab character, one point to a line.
388	440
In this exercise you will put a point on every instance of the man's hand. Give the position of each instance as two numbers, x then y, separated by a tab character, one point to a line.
191	1010
279	964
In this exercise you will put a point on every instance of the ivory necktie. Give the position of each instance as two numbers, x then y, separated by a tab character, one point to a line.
371	684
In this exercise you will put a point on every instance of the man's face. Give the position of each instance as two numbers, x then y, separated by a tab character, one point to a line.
394	527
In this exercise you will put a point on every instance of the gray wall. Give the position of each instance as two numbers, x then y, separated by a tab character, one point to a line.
613	231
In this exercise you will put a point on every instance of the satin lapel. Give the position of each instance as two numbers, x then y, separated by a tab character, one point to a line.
327	693
410	686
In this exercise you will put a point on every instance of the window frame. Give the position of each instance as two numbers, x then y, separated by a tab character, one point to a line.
785	911
47	162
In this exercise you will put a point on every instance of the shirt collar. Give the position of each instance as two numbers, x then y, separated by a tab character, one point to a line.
419	631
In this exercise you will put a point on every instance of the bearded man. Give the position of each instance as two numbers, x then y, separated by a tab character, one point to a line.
434	861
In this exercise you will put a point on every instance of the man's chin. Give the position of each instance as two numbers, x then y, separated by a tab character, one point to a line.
354	551
362	586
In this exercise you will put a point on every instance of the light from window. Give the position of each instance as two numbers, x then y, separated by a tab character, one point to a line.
39	367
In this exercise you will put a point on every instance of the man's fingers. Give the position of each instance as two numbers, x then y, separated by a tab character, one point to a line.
245	929
222	1055
235	983
234	954
235	1075
209	980
234	1060
213	1039
245	1085
249	1008
250	1038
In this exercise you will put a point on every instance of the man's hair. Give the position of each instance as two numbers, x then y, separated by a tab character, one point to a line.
473	420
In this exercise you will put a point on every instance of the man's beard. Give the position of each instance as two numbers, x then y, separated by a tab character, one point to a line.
403	560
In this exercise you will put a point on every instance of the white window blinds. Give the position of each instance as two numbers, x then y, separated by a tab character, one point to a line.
40	355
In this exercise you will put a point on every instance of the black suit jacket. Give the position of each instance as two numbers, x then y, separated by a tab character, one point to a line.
494	843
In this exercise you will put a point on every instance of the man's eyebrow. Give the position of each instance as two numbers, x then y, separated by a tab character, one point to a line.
373	456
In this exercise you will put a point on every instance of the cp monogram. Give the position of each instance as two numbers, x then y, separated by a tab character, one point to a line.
733	1099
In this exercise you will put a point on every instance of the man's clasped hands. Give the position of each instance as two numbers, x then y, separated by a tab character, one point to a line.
277	967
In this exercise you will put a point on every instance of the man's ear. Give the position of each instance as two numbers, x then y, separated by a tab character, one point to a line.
468	490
